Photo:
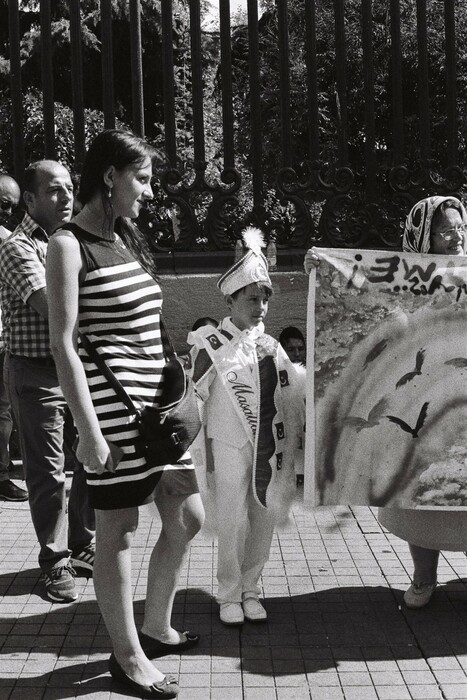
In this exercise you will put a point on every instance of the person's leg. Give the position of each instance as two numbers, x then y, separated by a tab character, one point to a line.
258	546
9	491
81	517
232	471
425	563
6	425
182	517
115	531
39	406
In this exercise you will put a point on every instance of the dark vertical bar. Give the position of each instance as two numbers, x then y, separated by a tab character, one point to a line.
451	74
197	80
136	67
47	79
168	77
341	82
312	79
284	73
369	92
226	83
15	87
255	103
424	100
77	82
396	68
108	100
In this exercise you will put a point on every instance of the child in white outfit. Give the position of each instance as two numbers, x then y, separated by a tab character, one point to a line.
253	416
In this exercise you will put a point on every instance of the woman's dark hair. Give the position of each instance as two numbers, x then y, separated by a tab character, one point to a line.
290	332
111	147
118	148
204	321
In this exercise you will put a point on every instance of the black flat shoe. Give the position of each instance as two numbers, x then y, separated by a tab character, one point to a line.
164	690
153	647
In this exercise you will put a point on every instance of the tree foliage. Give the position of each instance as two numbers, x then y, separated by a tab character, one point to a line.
327	88
92	70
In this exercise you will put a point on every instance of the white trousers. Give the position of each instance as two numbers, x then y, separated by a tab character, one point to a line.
244	528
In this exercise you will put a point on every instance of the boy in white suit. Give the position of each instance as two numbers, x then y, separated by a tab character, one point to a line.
252	416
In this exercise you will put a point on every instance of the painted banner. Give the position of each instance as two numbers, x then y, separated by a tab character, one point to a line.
387	401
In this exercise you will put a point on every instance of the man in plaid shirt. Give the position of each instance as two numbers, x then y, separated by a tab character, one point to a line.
9	491
31	377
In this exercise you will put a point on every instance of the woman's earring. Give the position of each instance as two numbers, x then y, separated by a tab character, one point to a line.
108	210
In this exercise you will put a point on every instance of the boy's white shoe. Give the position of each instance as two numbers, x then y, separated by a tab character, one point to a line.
253	609
232	614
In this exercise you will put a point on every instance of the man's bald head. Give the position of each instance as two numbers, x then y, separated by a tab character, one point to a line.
9	197
38	170
48	194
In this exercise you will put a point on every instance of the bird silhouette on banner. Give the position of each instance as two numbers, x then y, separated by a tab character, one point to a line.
374	416
419	424
416	372
375	352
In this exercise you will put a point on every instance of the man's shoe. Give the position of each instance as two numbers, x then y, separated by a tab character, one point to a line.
418	595
84	559
253	610
60	584
10	492
232	614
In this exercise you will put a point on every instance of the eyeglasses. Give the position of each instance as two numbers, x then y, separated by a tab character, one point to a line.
451	233
7	206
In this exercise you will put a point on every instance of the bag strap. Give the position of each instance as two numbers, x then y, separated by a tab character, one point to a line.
169	352
107	372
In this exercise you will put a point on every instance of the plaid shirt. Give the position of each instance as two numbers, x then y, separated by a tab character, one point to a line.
22	272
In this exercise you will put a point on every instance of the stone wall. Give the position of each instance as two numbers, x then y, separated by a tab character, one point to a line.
188	297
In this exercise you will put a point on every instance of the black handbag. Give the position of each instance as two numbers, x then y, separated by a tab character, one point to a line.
166	428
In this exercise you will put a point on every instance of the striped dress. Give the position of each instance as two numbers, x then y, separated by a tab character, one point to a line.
119	312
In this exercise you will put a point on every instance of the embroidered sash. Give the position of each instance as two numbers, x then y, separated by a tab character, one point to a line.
239	381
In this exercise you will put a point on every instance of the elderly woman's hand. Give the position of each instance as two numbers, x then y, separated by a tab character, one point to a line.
311	260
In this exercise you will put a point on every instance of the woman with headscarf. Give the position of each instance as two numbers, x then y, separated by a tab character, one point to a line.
436	225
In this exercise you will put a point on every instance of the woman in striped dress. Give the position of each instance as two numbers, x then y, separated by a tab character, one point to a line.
99	288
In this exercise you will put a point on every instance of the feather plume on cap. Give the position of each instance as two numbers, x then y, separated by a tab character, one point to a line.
253	239
251	268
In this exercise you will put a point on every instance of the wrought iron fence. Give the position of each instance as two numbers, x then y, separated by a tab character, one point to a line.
329	123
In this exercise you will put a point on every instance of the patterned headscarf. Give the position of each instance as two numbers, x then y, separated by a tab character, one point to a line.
417	230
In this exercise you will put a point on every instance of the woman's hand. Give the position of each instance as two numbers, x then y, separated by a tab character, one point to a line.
311	260
94	454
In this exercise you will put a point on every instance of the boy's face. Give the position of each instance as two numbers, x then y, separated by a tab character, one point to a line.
296	350
249	307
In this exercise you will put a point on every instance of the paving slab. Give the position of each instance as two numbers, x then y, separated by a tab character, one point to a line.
337	627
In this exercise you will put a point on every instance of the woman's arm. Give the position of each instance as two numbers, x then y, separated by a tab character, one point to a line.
63	268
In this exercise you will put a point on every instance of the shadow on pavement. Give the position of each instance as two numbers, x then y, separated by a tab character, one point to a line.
305	633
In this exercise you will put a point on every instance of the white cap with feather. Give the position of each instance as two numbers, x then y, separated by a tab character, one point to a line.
252	267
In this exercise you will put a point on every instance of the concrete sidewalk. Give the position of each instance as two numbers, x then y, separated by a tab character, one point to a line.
336	629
